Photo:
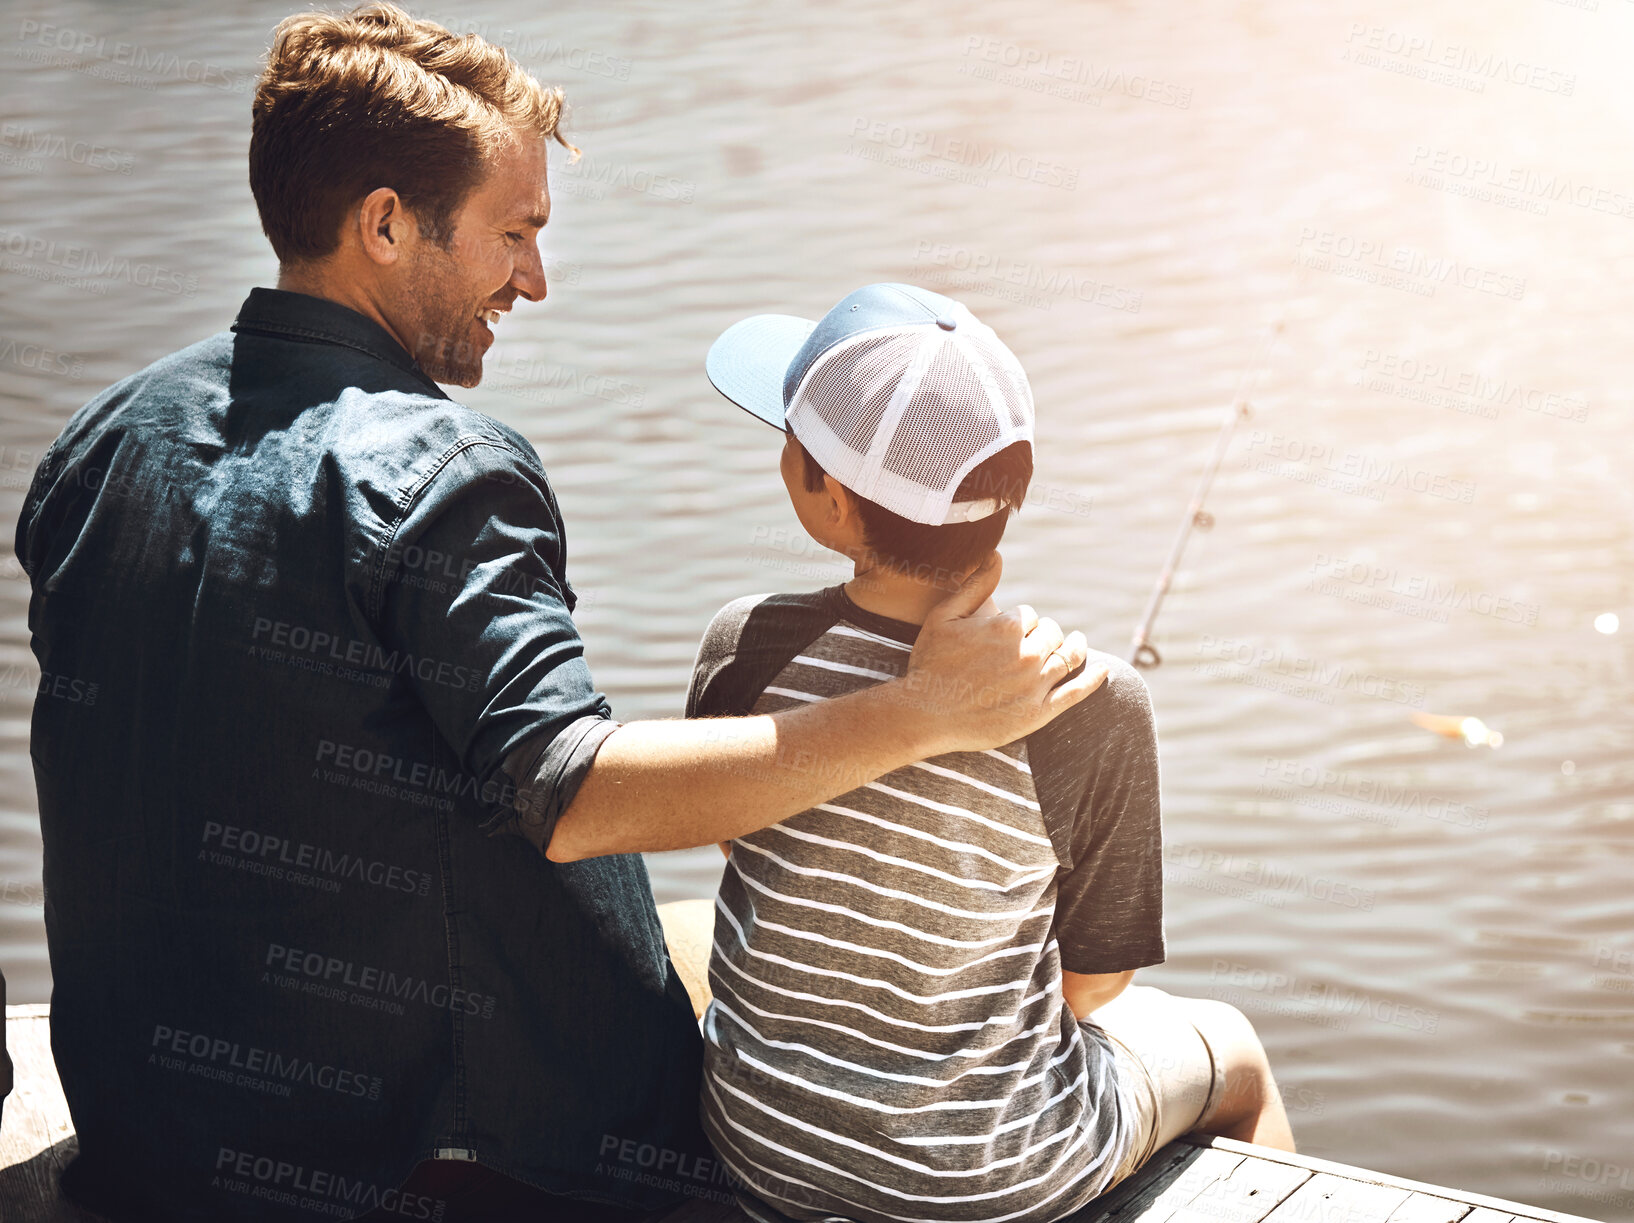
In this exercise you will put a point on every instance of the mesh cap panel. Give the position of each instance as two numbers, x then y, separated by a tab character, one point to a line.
901	415
947	420
855	386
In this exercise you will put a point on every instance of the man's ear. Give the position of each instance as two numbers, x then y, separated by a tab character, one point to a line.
384	226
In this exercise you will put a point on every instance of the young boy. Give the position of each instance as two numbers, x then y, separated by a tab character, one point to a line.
901	977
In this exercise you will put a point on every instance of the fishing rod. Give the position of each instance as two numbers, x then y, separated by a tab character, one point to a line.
1142	652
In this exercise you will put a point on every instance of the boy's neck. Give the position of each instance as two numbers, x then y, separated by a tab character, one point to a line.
894	595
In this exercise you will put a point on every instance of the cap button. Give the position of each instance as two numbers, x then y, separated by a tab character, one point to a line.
945	322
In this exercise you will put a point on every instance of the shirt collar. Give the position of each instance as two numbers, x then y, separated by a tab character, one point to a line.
278	312
884	626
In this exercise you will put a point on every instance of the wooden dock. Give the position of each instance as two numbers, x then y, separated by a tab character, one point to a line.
1191	1181
37	1137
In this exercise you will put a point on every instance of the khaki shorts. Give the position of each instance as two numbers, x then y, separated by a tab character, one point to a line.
1172	1077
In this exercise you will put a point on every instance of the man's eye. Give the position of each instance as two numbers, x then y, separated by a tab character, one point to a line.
514	237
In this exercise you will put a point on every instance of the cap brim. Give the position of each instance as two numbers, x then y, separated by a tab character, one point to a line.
748	361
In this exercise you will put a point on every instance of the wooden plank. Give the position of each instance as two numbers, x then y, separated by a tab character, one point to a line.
1428	1208
1326	1198
1482	1214
1255	1188
1170	1179
1517	1211
36	1115
37	1134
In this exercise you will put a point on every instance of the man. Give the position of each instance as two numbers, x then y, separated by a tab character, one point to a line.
325	612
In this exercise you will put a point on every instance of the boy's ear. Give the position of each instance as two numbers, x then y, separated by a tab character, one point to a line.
842	507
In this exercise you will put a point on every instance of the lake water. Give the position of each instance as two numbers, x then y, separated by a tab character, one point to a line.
1429	509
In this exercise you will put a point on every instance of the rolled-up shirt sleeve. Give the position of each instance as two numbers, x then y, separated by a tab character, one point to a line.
548	774
473	592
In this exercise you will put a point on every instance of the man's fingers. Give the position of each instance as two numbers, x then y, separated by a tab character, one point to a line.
1045	637
972	593
1075	649
1028	617
1065	696
1065	658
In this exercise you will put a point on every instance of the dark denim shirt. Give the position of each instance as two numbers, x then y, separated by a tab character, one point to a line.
295	610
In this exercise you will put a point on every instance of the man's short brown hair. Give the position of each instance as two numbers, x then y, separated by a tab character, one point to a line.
374	98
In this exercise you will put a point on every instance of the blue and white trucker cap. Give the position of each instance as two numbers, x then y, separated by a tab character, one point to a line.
897	391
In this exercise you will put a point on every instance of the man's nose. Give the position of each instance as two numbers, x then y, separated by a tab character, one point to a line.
528	277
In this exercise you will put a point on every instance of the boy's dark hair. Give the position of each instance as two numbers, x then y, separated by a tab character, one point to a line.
954	547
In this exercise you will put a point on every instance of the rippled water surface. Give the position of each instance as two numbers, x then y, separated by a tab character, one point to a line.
1428	510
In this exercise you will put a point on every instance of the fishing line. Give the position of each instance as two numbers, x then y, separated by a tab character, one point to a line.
1142	653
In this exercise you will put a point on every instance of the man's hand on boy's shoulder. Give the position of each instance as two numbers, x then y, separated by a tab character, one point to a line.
991	679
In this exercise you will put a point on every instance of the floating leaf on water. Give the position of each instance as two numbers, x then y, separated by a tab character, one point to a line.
1473	731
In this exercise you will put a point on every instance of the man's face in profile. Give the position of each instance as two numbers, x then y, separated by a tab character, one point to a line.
453	296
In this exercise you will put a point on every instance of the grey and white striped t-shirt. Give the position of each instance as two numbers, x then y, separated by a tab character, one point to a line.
888	1038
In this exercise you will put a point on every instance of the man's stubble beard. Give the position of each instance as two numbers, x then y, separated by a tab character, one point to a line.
444	338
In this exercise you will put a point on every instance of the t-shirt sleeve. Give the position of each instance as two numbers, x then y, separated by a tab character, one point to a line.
747	643
1096	772
473	589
